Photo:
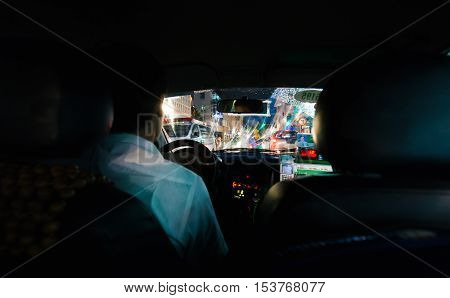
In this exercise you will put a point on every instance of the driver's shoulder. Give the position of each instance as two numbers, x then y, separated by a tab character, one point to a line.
182	173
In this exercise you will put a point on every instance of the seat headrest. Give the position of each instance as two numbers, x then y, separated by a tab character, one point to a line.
52	100
388	116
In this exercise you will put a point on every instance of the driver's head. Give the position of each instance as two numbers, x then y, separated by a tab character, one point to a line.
137	89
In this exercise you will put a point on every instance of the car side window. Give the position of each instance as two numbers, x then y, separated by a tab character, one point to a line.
206	131
195	132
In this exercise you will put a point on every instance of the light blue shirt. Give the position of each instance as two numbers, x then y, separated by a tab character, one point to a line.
176	196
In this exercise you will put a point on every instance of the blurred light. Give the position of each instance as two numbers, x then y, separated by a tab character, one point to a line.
312	153
168	110
308	153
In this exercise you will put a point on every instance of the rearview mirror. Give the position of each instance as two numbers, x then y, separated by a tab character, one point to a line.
241	106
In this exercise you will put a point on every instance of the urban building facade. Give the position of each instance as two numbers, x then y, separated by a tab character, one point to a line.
177	107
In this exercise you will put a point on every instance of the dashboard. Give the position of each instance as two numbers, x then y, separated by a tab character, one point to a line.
247	174
245	177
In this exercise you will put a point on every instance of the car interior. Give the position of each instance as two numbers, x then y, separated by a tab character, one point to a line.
381	122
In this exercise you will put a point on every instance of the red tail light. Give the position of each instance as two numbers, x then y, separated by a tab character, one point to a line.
308	153
312	153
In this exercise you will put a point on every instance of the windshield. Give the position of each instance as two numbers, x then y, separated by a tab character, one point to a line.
285	124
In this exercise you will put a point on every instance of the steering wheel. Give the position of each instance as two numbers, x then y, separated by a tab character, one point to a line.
201	152
194	156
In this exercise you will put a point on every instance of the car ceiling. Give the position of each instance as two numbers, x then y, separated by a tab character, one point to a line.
236	43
